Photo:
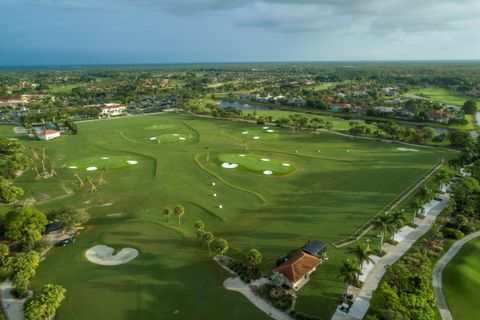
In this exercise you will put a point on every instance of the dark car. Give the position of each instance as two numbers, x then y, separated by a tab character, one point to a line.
66	241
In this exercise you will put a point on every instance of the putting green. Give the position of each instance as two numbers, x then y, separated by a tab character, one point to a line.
170	138
257	164
259	133
99	163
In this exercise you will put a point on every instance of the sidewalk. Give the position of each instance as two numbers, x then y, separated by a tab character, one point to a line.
362	302
12	307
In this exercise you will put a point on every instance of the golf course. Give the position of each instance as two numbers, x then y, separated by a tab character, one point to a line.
256	186
461	279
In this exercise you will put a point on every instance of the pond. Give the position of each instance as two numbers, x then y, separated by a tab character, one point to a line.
241	106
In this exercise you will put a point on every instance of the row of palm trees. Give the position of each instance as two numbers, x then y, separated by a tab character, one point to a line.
386	222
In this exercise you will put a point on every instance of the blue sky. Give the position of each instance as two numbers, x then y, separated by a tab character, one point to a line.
38	32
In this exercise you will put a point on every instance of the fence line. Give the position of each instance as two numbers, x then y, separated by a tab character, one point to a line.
360	232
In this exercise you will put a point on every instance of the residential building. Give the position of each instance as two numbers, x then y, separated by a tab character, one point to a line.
296	271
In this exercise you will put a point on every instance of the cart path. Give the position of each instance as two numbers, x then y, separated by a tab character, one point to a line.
438	272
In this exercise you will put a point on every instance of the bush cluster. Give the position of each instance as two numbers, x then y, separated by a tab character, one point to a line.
246	273
279	297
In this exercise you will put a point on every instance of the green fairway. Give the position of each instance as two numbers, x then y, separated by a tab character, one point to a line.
461	281
335	185
443	95
254	163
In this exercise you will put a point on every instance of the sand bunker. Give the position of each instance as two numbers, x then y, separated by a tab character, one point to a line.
265	159
270	130
104	256
105	158
182	138
175	134
256	138
132	162
227	165
407	149
245	132
268	172
73	167
286	164
153	138
265	128
241	155
92	168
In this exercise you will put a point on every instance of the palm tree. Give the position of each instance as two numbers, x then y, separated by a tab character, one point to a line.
179	212
416	205
221	246
442	177
348	272
382	223
362	253
426	194
207	238
254	257
167	212
397	220
199	225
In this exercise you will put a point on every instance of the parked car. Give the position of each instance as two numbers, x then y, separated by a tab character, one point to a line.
66	241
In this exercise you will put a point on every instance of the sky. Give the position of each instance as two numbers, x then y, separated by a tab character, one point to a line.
78	32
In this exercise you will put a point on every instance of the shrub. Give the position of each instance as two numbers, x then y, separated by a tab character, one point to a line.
246	273
278	297
452	233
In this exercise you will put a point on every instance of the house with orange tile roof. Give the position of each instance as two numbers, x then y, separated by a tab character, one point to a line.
296	270
48	134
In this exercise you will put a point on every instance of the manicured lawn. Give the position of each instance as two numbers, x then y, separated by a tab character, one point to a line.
443	95
337	185
461	281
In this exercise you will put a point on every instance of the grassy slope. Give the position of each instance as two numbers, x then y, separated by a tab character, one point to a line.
461	280
331	193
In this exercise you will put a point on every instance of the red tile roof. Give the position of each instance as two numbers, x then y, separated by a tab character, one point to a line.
298	265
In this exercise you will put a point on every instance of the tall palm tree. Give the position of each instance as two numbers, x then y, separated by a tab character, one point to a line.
362	253
179	212
207	238
426	194
167	212
382	223
416	206
348	272
397	221
442	177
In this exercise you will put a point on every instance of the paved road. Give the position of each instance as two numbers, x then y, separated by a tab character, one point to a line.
362	302
438	271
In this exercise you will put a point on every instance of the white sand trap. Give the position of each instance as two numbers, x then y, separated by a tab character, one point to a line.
407	149
153	138
108	204
245	132
182	138
268	172
132	162
256	137
220	206
265	128
286	164
105	158
175	134
265	159
73	167
104	256
241	155
270	130
92	168
227	165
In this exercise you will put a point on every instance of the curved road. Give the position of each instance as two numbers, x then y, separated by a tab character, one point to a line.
438	271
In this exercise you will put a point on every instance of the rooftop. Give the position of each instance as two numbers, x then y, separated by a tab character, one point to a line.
298	265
